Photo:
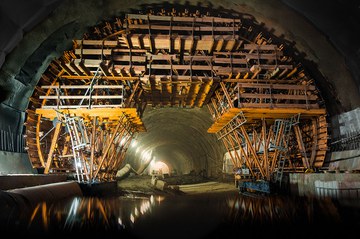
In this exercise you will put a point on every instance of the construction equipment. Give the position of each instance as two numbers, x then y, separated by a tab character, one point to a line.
105	82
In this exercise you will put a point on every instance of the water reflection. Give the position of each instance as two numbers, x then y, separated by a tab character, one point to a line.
185	216
90	214
281	210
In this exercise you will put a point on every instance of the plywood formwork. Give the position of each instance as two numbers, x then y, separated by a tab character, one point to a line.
171	59
271	125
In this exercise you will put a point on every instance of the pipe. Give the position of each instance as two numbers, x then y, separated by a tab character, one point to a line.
125	171
48	192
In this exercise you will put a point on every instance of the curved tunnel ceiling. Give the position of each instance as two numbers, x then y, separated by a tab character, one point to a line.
179	138
49	38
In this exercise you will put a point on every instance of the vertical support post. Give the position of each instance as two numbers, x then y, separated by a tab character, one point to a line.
234	161
107	149
250	146
226	93
301	146
132	94
92	145
278	138
52	147
315	141
266	146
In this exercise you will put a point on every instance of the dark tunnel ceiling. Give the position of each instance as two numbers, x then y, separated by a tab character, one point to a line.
47	32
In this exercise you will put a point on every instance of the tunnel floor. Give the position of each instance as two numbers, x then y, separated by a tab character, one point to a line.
175	185
203	209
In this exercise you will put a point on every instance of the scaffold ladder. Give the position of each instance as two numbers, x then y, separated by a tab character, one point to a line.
284	143
280	169
79	140
235	123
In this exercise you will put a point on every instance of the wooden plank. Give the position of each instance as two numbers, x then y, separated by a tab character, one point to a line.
82	86
74	67
162	57
230	45
137	68
203	93
66	68
222	60
278	96
270	113
80	106
252	56
301	146
135	41
261	81
182	78
127	58
96	63
260	47
113	78
93	51
277	86
205	38
279	105
96	42
89	62
101	112
220	69
83	68
105	69
198	58
179	28
79	97
182	19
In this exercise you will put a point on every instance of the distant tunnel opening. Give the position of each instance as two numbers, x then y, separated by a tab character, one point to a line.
179	138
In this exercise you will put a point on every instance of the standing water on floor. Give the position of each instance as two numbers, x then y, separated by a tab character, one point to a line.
217	215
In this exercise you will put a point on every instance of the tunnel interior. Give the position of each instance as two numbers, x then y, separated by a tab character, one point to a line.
176	136
154	134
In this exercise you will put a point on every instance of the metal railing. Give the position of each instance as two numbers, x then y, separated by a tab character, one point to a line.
349	142
12	142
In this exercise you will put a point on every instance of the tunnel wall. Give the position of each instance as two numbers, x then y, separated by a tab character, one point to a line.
344	146
347	160
17	21
15	163
346	124
323	185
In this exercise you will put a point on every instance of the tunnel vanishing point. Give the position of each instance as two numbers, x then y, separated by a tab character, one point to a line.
205	86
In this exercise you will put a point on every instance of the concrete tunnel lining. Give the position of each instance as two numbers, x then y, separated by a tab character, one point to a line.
24	65
178	137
